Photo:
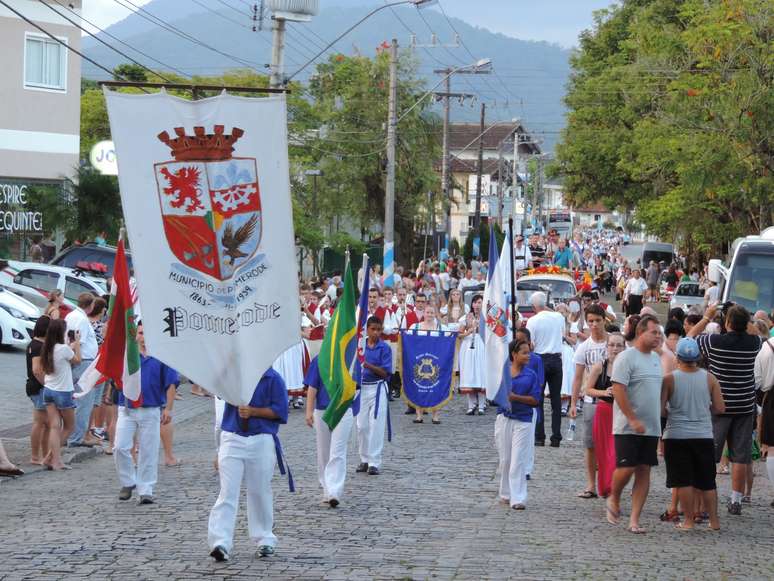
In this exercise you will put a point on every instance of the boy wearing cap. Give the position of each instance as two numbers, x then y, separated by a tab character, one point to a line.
689	397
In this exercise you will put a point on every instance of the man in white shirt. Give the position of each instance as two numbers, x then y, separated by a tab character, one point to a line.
78	320
522	257
633	292
547	330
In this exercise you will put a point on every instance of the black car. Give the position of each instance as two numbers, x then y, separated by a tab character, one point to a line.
91	257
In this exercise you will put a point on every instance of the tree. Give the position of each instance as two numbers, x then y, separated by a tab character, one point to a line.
670	113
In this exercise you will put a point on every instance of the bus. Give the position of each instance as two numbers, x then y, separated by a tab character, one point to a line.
749	279
561	221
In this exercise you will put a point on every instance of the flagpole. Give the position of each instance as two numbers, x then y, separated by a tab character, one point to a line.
513	276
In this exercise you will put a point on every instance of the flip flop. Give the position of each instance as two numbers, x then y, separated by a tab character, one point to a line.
680	527
419	421
636	530
612	516
588	494
175	464
12	472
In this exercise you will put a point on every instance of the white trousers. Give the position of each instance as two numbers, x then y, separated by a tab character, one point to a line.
515	445
146	423
498	430
531	451
255	458
370	431
476	399
220	407
332	453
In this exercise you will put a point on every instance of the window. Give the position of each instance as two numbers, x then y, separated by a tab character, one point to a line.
74	287
45	63
38	279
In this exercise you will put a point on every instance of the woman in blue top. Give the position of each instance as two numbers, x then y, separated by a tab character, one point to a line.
516	432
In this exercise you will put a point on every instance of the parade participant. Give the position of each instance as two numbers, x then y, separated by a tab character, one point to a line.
636	382
292	363
55	370
547	330
468	280
39	435
589	298
78	321
563	257
590	352
689	397
536	365
524	396
454	311
372	376
249	446
417	314
598	385
731	358
471	359
633	292
430	322
143	419
652	275
331	445
522	257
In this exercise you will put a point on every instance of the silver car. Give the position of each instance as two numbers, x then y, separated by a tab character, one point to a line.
687	294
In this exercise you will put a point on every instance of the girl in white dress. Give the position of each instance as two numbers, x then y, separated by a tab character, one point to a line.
454	311
471	359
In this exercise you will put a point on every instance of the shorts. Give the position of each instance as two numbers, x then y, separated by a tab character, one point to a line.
37	402
653	287
62	400
589	409
736	430
690	462
632	450
99	391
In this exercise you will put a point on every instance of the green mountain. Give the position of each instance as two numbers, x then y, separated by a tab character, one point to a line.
208	37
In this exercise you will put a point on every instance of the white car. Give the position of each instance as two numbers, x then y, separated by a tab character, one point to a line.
34	282
17	319
686	295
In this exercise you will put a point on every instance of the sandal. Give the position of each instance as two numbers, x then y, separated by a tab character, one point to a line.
722	470
436	422
669	516
419	421
612	516
588	494
682	528
636	530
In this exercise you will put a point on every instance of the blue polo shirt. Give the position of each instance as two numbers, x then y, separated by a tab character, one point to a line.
536	365
379	355
526	384
313	379
269	393
563	258
155	378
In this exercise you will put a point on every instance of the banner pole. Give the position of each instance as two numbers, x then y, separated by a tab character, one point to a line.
514	314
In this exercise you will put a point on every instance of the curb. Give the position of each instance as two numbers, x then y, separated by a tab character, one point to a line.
76	456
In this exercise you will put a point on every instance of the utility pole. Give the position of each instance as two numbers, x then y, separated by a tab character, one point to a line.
477	217
277	78
445	163
389	190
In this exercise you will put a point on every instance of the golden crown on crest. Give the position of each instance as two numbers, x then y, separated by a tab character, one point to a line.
202	146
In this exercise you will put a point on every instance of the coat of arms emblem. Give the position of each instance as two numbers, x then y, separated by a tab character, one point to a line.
496	320
210	201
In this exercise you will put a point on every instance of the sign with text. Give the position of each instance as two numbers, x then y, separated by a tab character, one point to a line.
14	215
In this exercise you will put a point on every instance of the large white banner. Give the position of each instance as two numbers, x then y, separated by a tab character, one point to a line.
206	196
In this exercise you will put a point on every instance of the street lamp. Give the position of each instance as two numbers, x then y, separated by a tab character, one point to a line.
416	3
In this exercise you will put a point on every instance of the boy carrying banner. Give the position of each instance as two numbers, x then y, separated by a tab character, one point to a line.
249	446
372	375
331	444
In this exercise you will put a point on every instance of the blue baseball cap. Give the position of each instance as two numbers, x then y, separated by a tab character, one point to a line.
688	349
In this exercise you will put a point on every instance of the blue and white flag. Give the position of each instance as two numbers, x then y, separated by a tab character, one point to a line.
497	332
428	362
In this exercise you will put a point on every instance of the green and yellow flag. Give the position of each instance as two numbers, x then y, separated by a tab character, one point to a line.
337	353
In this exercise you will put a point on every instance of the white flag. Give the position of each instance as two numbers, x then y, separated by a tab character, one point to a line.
206	196
497	331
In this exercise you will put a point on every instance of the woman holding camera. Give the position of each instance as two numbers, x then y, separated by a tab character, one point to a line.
54	370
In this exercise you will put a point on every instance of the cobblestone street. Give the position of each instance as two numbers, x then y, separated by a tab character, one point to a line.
433	513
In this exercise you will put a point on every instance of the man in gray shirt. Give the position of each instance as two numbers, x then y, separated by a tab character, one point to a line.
637	378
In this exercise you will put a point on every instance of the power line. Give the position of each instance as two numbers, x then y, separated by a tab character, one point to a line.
64	44
176	31
105	32
123	54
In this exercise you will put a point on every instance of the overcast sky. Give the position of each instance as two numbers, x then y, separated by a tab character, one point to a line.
557	21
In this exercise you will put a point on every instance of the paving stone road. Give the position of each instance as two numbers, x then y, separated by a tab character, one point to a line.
432	514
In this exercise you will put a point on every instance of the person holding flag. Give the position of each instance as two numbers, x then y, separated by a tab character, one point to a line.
143	418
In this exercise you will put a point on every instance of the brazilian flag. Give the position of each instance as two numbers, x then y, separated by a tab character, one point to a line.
337	354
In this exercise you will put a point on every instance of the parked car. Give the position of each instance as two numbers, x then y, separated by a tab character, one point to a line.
93	258
34	282
17	319
686	295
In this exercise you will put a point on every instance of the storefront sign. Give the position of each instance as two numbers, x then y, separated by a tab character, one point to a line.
103	158
13	216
